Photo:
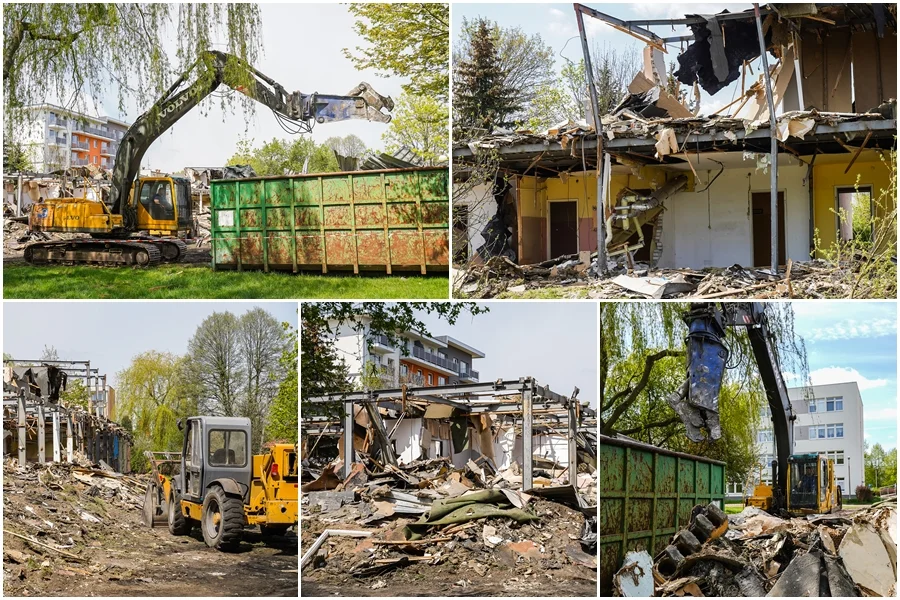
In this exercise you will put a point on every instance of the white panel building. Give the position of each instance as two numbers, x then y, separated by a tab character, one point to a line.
830	422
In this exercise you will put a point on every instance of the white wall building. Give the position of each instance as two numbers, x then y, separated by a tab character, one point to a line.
830	422
58	138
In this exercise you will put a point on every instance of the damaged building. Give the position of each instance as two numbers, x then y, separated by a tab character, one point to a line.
40	427
681	189
456	478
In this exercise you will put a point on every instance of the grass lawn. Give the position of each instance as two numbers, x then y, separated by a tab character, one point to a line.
200	281
733	509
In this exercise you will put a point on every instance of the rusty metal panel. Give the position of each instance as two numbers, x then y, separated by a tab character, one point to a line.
390	220
646	495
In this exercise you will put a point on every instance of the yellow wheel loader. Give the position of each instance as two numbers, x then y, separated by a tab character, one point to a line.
216	485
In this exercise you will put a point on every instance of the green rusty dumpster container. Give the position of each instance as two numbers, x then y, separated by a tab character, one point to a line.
646	496
389	220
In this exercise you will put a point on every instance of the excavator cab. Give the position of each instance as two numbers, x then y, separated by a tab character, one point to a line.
812	488
163	205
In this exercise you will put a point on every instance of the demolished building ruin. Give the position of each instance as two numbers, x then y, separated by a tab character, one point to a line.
446	483
833	149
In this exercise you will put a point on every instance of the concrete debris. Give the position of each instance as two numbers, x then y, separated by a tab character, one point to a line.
431	520
821	279
635	578
754	554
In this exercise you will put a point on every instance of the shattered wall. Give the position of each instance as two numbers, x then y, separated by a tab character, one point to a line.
532	210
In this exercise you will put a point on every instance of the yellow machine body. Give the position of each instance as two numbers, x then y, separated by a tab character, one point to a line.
813	486
162	207
274	492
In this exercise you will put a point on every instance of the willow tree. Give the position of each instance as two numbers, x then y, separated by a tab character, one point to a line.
643	364
151	393
61	52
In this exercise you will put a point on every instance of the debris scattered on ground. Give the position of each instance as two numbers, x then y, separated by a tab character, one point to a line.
392	525
75	530
756	554
812	279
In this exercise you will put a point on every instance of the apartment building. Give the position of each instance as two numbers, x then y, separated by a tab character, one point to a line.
418	360
829	422
58	138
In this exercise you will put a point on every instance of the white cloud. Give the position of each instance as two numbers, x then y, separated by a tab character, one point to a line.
558	13
880	414
828	375
853	329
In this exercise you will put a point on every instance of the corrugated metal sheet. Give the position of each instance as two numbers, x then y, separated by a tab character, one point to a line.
388	220
646	496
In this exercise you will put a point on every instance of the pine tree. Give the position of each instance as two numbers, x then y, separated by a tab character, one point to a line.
482	101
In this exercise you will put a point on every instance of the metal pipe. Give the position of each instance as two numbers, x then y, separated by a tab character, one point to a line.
19	198
348	437
573	442
598	127
773	166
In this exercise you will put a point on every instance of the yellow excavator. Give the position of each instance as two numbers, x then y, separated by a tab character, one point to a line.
140	221
216	485
801	483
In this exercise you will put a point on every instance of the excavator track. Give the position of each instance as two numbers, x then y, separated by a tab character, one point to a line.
90	251
171	250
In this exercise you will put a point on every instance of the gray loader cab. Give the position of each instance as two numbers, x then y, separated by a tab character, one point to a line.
215	450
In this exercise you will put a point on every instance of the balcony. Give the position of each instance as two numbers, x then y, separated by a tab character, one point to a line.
56	141
57	122
92	131
109	149
431	358
380	344
81	145
80	162
470	376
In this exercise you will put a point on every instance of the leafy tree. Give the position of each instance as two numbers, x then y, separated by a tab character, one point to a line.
75	394
876	458
16	159
283	416
49	353
53	52
235	364
151	395
642	363
406	40
483	98
614	68
890	468
285	157
419	123
349	145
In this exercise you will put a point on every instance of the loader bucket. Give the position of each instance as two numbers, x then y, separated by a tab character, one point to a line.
154	510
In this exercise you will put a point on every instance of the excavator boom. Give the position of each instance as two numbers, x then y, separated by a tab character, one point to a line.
112	223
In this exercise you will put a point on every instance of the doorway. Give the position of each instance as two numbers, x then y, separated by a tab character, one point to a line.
563	228
762	229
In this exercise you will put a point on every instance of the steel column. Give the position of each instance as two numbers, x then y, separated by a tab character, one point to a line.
19	198
349	454
22	426
573	442
42	435
70	450
598	128
773	133
527	440
57	451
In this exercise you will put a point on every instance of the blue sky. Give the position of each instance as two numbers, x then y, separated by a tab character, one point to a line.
556	24
554	342
109	334
856	341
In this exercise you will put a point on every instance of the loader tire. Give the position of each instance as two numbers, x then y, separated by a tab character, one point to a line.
222	522
178	524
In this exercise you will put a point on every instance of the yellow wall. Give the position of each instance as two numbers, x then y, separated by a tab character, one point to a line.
869	169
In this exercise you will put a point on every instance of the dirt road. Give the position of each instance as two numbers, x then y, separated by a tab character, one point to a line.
114	555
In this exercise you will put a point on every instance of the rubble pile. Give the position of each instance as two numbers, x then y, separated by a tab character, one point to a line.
429	520
16	235
812	279
57	516
756	554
